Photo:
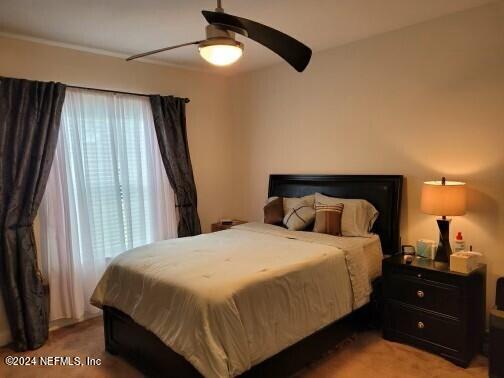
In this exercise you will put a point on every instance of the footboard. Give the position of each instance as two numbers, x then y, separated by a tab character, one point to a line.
142	348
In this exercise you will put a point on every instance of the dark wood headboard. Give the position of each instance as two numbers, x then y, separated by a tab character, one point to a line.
383	191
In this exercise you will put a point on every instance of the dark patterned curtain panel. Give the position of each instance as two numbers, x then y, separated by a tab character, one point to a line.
30	114
170	123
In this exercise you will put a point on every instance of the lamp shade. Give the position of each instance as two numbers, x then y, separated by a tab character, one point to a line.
443	198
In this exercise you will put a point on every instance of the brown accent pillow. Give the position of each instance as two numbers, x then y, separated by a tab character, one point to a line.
328	218
274	212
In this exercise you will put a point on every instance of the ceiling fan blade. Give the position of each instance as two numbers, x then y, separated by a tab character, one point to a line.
161	50
294	52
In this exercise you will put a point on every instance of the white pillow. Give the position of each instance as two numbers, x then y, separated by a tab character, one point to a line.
270	199
358	214
290	203
300	216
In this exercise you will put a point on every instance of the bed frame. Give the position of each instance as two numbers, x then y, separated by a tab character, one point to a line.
149	354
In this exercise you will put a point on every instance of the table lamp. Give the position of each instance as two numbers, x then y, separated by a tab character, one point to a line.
443	198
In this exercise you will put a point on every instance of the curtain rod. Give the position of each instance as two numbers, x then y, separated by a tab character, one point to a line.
111	91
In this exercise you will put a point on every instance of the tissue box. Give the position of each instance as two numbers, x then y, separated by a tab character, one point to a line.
463	262
426	248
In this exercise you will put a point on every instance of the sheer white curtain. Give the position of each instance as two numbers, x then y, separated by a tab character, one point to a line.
107	193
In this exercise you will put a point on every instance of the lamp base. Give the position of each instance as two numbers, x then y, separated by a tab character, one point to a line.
444	250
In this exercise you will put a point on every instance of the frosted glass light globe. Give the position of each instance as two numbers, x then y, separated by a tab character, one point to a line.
221	54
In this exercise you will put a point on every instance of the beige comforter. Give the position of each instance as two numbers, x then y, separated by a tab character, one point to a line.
228	300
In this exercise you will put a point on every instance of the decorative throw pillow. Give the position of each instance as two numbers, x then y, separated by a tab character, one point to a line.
357	218
328	218
291	202
274	211
300	216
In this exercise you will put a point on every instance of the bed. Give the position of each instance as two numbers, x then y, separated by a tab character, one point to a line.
256	299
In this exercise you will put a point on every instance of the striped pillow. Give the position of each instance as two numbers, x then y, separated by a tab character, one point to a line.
328	218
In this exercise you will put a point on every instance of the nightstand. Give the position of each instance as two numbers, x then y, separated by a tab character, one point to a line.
220	226
430	307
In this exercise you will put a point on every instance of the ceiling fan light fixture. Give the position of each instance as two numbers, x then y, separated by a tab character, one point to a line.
221	51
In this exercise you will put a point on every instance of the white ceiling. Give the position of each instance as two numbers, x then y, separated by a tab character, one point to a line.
131	26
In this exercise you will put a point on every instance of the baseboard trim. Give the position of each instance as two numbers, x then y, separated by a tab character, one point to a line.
5	335
65	322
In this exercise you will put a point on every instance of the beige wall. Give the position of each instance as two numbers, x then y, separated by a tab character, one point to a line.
423	101
207	114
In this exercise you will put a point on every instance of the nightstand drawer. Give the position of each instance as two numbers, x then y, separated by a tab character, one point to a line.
438	297
443	333
426	275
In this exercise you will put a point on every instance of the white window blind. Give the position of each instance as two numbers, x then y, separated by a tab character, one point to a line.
107	192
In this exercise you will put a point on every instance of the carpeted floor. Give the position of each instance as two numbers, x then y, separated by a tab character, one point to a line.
366	355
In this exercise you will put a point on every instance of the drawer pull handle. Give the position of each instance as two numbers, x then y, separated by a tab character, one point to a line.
419	275
420	294
420	325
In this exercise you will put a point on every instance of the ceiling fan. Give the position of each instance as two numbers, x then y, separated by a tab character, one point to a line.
221	48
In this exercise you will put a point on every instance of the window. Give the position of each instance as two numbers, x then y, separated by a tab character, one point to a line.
107	192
